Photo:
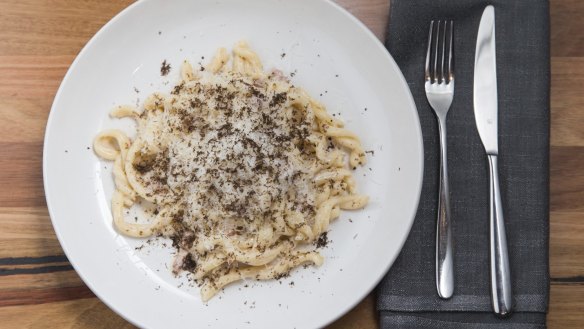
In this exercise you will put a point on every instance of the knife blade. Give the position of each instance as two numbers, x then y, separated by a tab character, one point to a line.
485	82
485	111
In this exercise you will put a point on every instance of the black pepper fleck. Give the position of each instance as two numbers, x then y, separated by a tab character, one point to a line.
164	68
322	240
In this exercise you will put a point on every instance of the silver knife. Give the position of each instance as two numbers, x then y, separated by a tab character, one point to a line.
485	111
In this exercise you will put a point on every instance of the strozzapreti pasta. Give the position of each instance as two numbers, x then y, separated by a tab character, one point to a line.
242	170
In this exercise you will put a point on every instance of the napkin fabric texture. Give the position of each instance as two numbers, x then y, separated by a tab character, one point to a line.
407	296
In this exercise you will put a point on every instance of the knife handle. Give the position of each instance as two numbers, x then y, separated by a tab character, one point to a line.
500	271
444	261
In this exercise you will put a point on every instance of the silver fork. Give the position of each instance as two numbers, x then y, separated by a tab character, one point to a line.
440	91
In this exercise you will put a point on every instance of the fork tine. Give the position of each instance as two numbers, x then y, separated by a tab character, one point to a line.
442	73
428	52
436	43
450	55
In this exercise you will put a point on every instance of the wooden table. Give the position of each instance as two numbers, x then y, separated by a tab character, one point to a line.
38	41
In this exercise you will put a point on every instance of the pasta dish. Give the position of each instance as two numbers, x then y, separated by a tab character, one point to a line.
240	168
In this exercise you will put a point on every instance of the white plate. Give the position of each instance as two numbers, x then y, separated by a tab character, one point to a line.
333	54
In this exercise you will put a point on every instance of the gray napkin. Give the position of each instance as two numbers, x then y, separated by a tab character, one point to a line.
407	295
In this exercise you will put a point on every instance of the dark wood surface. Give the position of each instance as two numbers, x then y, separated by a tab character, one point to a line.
38	41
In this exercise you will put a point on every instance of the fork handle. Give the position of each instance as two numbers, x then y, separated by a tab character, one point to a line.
500	271
444	253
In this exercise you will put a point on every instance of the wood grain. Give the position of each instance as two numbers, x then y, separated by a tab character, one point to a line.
30	229
566	101
52	27
38	41
373	13
21	174
566	247
82	313
567	178
566	306
567	39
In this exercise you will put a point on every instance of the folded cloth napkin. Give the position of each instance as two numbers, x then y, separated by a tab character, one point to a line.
407	296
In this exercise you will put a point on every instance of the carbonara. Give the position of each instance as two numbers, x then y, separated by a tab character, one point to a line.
243	170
